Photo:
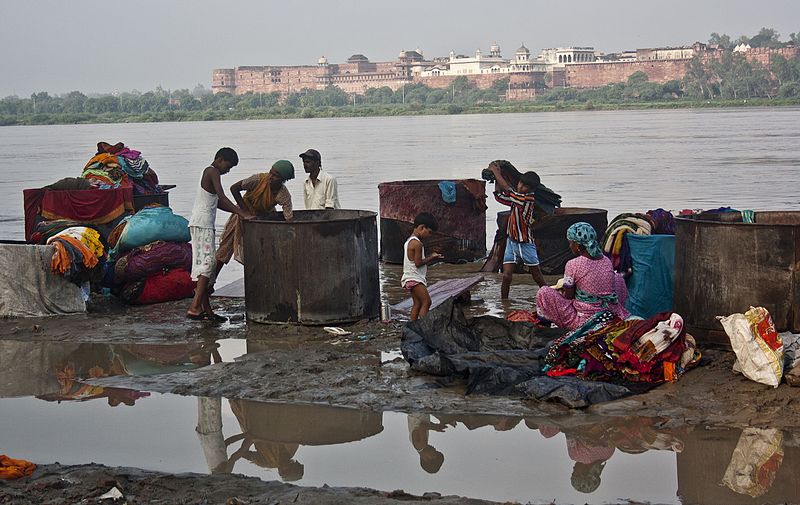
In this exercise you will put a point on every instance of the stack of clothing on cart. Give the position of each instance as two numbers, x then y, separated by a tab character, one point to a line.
151	259
116	165
606	348
73	202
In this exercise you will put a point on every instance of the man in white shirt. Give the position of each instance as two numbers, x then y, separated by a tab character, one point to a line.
320	188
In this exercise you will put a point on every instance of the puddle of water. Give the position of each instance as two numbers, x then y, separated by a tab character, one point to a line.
53	370
485	296
389	356
49	415
567	460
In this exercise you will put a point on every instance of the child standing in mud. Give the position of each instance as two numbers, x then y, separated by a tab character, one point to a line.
415	264
520	245
210	197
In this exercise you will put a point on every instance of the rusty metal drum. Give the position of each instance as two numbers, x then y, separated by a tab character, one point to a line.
462	224
550	236
723	266
319	268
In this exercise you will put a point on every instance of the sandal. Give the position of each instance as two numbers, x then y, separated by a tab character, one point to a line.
216	318
205	316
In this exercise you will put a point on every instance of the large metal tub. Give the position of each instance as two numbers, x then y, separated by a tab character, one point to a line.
319	268
724	266
551	237
462	226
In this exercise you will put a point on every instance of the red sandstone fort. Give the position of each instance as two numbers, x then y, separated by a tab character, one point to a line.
578	67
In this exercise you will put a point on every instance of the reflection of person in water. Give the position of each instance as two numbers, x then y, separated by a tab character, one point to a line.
589	450
419	425
591	445
590	457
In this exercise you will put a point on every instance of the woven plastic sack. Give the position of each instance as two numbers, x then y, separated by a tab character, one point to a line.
149	225
758	347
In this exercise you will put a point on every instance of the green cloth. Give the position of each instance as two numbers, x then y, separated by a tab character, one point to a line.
583	233
604	300
285	169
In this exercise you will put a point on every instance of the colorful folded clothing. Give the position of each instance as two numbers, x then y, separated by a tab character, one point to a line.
152	258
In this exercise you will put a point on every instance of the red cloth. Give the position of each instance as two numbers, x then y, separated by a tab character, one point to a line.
87	206
176	284
524	316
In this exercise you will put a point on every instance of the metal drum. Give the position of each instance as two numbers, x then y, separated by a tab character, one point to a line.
462	224
319	268
551	237
723	265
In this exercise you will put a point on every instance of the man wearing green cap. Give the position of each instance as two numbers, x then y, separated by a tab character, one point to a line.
264	191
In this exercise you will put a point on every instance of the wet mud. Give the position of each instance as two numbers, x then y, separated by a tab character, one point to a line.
85	484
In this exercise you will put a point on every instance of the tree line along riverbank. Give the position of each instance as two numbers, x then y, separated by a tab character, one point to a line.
729	81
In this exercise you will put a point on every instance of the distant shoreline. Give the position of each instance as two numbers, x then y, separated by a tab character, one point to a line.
289	112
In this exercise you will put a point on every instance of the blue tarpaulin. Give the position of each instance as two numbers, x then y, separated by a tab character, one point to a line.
650	284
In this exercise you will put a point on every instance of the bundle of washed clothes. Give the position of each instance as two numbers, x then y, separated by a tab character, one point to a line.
78	253
151	258
116	166
120	171
610	349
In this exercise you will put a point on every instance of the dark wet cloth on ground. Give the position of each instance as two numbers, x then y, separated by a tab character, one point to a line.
495	356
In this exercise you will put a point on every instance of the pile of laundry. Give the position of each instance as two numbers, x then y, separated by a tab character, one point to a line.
151	258
100	242
499	357
607	348
78	253
116	165
120	173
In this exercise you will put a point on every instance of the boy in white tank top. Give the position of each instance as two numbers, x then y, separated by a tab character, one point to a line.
415	264
210	197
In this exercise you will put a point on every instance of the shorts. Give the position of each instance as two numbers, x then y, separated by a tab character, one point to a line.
204	261
409	285
521	251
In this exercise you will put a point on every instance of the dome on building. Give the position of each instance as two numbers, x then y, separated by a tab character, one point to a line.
322	60
495	48
356	58
523	49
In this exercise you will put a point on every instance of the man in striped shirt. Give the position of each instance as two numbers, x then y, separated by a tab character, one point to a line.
519	244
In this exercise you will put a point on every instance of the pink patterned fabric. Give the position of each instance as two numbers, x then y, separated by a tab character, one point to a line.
594	276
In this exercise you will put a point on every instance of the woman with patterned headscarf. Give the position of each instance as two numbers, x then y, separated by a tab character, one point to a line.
590	284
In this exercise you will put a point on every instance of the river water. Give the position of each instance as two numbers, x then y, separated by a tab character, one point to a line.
623	161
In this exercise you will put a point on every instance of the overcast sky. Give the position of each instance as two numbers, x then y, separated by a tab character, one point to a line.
105	45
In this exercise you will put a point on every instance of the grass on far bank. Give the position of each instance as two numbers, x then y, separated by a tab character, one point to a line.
288	112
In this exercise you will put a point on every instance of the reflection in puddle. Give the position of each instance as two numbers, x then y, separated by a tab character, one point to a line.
570	460
53	371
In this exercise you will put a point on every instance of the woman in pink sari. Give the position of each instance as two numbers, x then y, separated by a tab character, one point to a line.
590	284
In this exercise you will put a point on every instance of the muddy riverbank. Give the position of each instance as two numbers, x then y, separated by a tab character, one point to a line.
286	364
290	363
